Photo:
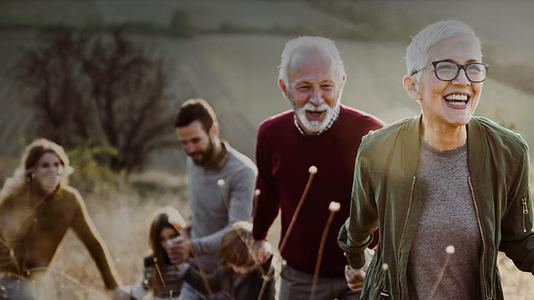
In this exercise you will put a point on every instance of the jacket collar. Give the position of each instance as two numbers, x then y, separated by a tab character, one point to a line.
476	150
411	144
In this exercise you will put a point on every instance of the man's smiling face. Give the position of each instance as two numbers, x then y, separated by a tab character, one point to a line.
314	89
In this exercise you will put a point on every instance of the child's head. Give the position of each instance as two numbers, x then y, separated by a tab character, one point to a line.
235	249
166	225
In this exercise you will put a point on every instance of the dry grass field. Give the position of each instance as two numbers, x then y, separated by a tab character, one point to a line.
123	220
237	73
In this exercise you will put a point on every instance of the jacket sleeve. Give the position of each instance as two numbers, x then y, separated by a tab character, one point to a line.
138	289
516	225
239	209
8	264
268	204
357	232
214	280
86	232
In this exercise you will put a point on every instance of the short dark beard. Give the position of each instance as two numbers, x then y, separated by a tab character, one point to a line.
206	155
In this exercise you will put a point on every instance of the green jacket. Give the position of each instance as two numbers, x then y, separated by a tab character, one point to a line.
386	195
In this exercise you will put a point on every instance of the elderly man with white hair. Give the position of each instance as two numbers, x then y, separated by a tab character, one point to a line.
446	189
319	132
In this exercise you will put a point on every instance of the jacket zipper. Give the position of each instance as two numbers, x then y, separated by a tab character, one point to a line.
525	213
482	270
405	225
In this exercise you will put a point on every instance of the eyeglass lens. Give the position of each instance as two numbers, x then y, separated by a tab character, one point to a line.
475	72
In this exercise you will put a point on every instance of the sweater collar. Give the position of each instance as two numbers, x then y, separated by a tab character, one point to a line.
38	193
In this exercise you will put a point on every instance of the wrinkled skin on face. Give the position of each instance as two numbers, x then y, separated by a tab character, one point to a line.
314	90
449	103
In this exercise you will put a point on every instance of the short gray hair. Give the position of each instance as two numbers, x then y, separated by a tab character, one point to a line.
417	52
309	44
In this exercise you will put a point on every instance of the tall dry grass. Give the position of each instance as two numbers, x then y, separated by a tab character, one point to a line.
123	218
124	227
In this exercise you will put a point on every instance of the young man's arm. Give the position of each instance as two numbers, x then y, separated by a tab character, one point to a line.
239	209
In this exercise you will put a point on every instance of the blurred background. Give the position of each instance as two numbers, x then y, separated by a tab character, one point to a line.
104	79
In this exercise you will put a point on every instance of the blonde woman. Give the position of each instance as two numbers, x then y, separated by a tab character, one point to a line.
37	207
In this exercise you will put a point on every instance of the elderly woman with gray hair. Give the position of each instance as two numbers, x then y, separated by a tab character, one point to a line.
447	190
37	207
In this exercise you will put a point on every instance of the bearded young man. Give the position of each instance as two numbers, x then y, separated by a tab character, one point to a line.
446	189
221	184
319	132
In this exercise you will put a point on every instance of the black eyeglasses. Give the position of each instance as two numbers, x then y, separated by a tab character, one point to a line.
447	70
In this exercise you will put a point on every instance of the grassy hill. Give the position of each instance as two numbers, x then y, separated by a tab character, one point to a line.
232	62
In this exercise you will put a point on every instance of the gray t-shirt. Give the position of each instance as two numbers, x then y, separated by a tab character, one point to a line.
215	207
447	218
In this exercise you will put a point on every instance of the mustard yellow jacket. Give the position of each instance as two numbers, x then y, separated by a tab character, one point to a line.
32	227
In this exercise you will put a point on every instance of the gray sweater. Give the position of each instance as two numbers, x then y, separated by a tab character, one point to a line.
447	218
214	207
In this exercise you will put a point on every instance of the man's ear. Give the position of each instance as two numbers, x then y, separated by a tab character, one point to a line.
343	81
283	88
410	86
214	130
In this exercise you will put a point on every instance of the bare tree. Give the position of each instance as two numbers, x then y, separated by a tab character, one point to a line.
99	89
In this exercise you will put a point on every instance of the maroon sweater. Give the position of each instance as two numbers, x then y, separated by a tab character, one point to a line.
283	156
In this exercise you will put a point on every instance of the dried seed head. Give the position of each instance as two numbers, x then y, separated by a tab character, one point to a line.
220	182
334	206
312	170
450	249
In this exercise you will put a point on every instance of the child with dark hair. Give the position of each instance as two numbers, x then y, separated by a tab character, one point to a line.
160	276
242	276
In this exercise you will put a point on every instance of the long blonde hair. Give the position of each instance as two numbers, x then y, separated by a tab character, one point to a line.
32	153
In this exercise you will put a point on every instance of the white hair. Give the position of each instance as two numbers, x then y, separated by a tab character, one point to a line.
417	51
307	44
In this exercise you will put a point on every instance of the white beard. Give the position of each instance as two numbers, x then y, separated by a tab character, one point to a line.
315	126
